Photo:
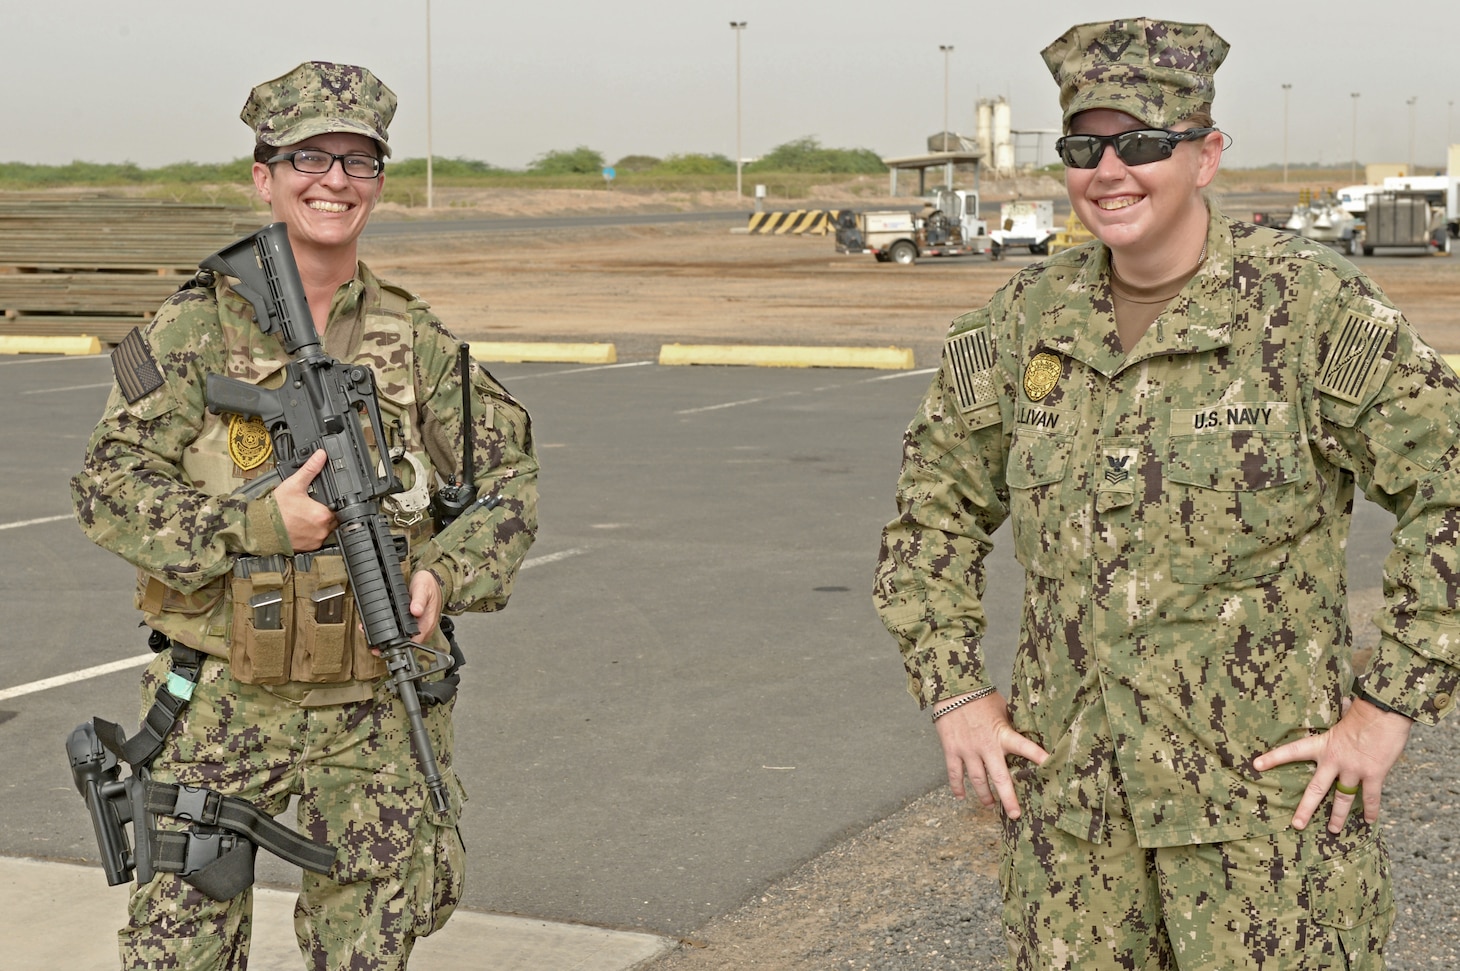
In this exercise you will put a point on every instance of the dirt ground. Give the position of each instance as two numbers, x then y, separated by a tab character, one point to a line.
640	287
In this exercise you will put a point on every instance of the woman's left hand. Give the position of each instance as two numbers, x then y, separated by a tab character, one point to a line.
1353	757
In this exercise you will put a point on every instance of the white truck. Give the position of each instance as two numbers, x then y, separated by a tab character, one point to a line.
1442	191
1025	222
948	226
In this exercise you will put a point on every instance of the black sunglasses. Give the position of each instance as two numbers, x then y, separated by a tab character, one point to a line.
1134	147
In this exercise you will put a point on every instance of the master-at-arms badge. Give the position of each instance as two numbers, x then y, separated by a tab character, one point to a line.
248	442
1041	375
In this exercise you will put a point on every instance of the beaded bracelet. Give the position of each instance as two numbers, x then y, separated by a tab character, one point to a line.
975	696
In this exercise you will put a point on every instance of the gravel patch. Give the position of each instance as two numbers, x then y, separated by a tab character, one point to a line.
918	891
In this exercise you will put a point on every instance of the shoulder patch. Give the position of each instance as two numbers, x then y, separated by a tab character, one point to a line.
971	366
1358	345
136	370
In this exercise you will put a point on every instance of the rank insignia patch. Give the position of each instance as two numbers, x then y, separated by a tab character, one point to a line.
135	367
1041	376
971	364
248	442
1357	346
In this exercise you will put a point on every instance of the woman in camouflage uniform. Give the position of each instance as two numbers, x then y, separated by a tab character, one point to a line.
1174	417
298	705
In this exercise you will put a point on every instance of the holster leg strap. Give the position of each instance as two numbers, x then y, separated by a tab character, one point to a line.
238	816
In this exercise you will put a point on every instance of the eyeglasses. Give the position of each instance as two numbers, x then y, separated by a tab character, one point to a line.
1134	147
311	161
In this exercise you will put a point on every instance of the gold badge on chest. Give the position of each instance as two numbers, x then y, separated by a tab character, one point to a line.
1041	375
248	442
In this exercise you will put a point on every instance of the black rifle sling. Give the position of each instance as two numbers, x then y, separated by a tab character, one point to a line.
172	697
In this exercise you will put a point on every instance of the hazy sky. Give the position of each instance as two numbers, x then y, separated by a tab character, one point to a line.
158	81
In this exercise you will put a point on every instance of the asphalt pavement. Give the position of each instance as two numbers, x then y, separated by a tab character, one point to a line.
688	696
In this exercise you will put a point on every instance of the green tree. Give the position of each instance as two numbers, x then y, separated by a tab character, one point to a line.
807	155
441	166
695	164
635	163
580	161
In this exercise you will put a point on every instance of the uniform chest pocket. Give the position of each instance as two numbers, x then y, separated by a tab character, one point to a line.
1237	501
1037	468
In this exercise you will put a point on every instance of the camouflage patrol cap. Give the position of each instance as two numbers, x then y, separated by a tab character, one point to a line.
317	98
1154	70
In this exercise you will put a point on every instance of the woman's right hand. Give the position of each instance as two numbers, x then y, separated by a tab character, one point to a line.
975	738
309	523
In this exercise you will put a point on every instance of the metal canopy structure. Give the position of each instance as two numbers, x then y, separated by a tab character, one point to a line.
933	160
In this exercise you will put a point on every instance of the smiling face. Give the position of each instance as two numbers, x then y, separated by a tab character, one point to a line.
324	212
1142	212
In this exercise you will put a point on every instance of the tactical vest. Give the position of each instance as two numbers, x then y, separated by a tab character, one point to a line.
312	636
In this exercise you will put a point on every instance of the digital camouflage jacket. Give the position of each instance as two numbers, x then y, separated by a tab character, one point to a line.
156	486
1181	514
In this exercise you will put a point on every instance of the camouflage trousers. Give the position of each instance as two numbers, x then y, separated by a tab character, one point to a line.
397	876
1289	901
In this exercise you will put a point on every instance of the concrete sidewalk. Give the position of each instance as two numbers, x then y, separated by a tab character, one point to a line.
55	915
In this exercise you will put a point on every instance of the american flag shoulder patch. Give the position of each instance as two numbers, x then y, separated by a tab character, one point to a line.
1358	345
136	369
971	367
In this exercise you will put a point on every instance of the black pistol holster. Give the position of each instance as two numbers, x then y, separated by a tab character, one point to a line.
215	853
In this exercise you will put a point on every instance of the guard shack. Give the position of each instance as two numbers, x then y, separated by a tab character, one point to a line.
932	160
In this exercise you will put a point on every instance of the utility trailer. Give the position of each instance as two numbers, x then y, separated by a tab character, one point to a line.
949	227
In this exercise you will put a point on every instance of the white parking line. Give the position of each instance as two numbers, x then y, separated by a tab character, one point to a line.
580	370
74	676
141	659
737	404
905	374
74	387
23	359
36	522
550	558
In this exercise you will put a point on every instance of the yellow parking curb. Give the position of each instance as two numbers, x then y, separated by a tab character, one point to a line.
48	345
769	355
1453	360
515	351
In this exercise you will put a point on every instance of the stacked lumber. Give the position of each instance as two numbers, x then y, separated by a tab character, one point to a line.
98	266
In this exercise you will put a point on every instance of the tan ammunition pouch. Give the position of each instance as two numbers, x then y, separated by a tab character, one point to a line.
294	619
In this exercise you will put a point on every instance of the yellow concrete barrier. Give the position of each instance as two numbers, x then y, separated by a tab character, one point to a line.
16	344
544	351
769	355
1453	360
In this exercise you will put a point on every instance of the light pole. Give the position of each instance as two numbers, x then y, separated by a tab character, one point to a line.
429	187
1411	102
946	49
1286	89
738	26
1353	169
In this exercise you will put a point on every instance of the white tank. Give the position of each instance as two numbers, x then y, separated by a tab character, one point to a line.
985	128
1003	139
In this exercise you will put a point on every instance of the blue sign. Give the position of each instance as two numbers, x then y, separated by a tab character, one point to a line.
608	172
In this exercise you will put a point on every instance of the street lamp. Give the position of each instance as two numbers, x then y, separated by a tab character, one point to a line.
1411	102
1353	169
946	49
737	26
1286	89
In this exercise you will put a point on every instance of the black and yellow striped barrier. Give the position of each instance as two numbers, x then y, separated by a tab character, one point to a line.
798	221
